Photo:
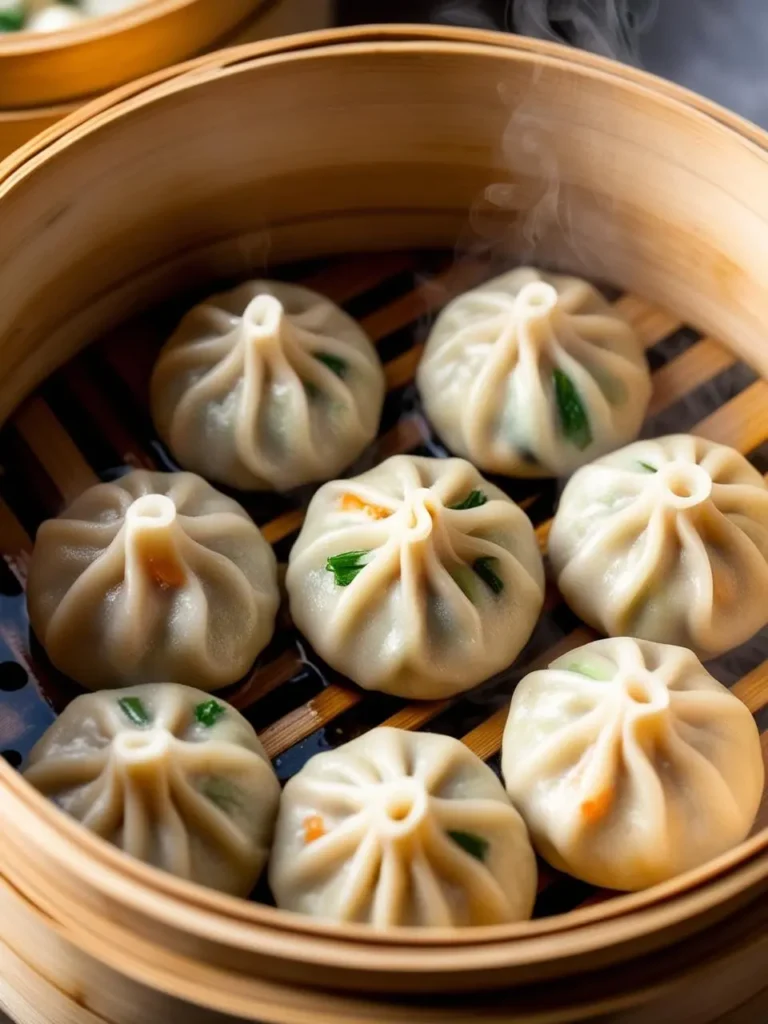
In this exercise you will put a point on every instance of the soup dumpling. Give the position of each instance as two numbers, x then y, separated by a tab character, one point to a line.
169	775
401	828
668	540
154	576
419	577
267	387
533	374
630	763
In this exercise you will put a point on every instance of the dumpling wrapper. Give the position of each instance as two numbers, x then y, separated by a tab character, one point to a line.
630	763
428	599
402	828
533	374
668	540
167	774
267	387
154	576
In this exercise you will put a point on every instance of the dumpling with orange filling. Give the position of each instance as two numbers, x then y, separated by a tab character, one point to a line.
630	763
152	577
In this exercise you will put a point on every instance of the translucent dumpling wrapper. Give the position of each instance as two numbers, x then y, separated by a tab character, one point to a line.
419	578
400	828
267	387
630	763
667	540
155	576
533	374
167	774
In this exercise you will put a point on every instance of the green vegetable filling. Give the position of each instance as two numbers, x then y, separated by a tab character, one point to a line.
599	672
134	710
475	846
222	793
334	364
484	569
574	421
11	16
209	712
473	500
647	466
346	566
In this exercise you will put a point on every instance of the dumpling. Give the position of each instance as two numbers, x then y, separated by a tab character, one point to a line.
155	576
418	577
167	774
267	387
533	374
54	18
666	540
630	763
401	828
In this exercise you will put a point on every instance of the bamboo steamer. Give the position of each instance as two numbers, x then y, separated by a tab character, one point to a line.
382	138
44	77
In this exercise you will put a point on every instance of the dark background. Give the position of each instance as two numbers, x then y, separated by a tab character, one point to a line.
717	47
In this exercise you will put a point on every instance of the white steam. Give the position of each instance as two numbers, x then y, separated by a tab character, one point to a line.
612	28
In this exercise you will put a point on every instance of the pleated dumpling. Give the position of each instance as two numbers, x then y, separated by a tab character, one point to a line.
267	387
419	577
155	576
630	763
533	374
667	540
167	774
401	828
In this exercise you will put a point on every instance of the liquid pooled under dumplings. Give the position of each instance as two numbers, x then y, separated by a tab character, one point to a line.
630	763
169	775
533	374
419	577
402	828
267	387
155	576
668	540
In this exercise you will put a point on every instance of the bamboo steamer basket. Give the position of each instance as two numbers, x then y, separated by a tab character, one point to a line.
377	139
44	77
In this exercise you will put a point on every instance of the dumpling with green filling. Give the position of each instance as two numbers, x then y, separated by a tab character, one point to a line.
168	774
267	387
630	763
402	828
666	539
419	578
533	374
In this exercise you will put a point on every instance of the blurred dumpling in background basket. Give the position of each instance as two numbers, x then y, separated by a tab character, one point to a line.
402	828
667	540
267	387
419	577
533	374
44	16
630	763
155	576
167	774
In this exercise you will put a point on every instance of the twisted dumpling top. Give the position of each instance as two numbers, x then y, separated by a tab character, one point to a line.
533	374
630	763
267	387
402	828
666	539
156	576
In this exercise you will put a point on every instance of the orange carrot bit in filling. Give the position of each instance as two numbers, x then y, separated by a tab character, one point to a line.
314	828
595	809
351	503
166	572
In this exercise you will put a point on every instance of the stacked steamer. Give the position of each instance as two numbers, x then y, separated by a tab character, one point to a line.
626	764
54	57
